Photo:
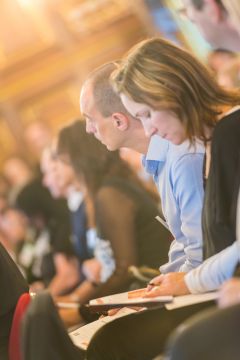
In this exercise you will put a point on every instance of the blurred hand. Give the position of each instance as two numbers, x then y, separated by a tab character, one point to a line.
229	293
92	269
37	286
70	317
168	284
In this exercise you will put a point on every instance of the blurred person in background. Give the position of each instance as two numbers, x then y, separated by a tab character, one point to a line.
214	20
44	213
233	9
229	75
18	173
218	58
54	263
60	178
38	136
13	228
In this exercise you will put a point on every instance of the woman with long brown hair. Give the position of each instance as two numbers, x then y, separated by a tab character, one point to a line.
175	96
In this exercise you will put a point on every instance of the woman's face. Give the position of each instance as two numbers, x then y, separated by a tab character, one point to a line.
156	122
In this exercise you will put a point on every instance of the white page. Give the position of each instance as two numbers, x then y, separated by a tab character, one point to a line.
82	336
123	298
186	300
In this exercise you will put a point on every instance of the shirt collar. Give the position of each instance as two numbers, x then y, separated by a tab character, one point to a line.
156	156
157	149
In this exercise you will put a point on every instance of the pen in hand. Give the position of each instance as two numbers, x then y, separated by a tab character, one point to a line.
150	286
154	283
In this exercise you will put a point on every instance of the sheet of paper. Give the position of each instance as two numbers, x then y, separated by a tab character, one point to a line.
82	336
127	298
186	300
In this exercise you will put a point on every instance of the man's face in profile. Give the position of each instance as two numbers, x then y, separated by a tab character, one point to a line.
101	127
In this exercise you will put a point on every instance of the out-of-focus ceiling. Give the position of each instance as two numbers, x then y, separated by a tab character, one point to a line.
47	47
31	26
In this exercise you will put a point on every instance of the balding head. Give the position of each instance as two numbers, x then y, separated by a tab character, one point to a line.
105	99
106	116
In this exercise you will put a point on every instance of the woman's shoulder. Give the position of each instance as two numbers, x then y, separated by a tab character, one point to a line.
230	121
228	127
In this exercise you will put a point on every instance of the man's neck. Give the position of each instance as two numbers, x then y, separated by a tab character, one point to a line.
139	145
137	140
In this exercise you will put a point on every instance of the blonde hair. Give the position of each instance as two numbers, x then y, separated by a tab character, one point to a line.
157	73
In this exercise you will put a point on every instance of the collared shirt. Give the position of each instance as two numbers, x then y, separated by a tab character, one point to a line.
177	170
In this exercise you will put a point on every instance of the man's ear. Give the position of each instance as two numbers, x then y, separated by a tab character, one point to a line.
120	121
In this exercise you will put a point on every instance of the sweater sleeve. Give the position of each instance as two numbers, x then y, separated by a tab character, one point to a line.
214	271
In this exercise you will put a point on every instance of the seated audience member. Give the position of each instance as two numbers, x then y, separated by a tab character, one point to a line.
216	20
128	233
61	181
13	230
214	119
229	75
177	170
37	135
18	173
219	58
54	263
232	7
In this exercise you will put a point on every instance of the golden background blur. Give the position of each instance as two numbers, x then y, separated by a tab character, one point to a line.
47	48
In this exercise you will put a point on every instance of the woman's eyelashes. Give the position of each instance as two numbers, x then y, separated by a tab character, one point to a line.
144	115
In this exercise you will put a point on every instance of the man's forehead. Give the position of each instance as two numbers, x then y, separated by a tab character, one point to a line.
85	93
86	98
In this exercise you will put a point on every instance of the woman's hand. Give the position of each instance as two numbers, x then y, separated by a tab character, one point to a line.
168	284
